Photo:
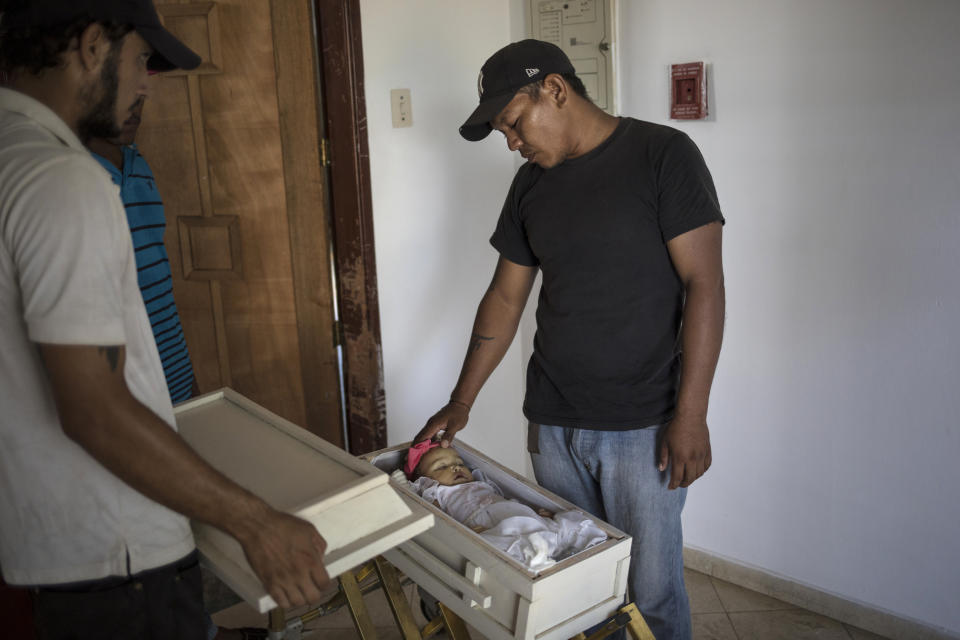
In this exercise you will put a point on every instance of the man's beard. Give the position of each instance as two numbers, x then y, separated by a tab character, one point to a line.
100	117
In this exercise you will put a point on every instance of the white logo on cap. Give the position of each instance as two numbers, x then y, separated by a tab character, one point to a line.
532	72
480	83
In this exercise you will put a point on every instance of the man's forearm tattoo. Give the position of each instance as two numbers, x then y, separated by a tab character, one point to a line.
477	340
112	354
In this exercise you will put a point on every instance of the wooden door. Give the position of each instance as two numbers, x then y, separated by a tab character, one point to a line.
236	150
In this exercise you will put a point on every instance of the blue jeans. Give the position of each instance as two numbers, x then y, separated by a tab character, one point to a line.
613	475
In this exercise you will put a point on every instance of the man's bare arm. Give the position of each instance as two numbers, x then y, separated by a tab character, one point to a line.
697	257
494	328
98	412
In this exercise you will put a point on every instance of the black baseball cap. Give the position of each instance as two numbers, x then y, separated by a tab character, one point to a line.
169	53
506	71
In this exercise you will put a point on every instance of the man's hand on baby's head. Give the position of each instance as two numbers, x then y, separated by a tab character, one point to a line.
444	424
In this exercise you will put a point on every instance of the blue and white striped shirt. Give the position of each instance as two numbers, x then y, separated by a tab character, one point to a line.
147	225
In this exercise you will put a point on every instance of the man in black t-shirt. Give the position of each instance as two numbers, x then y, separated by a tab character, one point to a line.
621	218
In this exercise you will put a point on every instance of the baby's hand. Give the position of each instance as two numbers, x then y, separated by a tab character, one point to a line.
545	513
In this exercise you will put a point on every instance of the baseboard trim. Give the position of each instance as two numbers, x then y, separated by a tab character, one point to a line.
851	612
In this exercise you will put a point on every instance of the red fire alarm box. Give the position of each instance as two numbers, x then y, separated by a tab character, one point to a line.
688	91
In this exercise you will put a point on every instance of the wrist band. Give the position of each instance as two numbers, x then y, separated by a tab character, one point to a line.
462	404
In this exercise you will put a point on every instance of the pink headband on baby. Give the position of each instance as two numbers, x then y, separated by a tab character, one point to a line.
415	453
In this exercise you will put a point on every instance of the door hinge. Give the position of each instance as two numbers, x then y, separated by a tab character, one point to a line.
324	152
338	338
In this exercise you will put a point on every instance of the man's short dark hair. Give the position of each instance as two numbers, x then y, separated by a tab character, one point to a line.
35	49
533	89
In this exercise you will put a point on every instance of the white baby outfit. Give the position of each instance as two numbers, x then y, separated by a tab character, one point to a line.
513	527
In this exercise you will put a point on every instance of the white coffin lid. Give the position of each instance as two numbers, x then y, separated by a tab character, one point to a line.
349	501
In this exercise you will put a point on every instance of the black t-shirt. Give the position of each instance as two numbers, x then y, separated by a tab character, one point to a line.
606	353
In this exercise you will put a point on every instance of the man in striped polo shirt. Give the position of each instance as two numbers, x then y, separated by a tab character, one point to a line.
138	190
141	200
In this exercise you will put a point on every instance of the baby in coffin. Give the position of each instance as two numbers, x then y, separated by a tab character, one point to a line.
536	539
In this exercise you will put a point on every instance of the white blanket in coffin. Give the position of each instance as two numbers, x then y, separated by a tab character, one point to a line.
513	527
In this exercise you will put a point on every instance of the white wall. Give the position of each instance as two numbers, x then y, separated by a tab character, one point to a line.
835	410
436	199
834	148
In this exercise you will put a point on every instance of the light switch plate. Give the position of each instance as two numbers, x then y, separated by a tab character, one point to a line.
400	108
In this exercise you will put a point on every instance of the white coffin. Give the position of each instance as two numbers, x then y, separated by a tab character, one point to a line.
351	503
495	594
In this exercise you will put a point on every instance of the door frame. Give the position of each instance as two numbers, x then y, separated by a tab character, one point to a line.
343	124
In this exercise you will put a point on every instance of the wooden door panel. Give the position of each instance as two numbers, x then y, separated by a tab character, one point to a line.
237	194
338	28
308	190
246	179
166	139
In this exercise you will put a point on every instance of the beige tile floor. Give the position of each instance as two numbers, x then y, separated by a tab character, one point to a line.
720	611
724	611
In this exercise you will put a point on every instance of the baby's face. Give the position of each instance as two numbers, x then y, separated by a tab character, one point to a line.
445	466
